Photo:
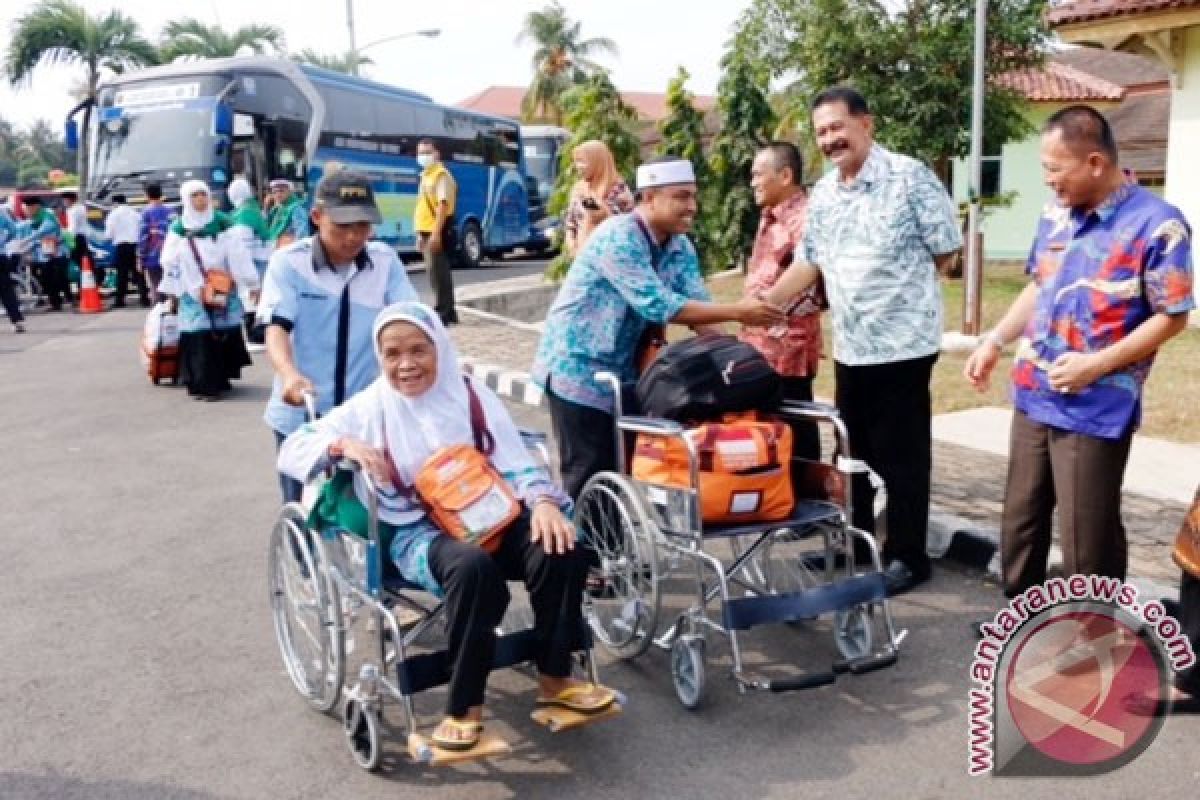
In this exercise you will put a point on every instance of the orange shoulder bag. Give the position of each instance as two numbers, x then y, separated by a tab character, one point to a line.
218	284
464	494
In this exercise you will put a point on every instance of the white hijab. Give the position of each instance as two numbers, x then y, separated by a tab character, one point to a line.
240	191
416	427
194	220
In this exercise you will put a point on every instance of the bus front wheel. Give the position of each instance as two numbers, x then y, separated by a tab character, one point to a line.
470	249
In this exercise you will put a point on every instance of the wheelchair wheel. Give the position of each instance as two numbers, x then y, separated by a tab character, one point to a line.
305	609
622	597
687	670
852	632
361	726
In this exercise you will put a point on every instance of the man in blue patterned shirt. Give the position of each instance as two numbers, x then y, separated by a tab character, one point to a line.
636	270
880	227
1111	282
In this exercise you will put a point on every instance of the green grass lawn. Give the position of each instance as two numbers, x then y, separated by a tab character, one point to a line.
1172	393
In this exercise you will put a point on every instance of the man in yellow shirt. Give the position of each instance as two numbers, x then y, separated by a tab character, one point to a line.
434	223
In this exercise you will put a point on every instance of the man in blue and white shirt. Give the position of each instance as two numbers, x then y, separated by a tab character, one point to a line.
320	298
880	227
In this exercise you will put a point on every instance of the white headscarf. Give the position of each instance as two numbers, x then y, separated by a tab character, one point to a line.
240	191
416	427
192	219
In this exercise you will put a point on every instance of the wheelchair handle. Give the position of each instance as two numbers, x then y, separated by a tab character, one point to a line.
650	425
310	405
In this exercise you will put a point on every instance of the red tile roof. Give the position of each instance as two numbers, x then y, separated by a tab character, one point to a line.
1140	125
1124	69
505	101
1072	11
1056	82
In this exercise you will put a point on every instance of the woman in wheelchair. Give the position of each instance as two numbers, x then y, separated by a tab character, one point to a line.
420	404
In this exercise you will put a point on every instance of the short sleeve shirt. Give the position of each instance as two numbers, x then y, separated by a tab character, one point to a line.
874	241
620	283
303	294
796	351
1100	274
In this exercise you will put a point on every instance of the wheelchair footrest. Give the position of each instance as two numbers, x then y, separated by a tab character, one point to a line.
802	682
424	751
861	666
743	613
562	719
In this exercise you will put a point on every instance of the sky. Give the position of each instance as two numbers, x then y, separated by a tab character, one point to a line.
476	48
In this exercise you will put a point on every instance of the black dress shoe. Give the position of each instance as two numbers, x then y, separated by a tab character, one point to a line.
899	578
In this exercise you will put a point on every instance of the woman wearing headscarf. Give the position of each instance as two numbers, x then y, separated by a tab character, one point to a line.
599	193
250	228
211	349
420	404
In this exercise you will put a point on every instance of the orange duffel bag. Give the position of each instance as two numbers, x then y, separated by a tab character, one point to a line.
744	466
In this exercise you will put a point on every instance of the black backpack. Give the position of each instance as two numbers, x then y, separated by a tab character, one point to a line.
706	376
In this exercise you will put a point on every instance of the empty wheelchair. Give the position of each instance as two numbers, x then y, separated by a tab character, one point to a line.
648	537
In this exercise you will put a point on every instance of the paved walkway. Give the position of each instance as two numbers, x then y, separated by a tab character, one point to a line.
970	454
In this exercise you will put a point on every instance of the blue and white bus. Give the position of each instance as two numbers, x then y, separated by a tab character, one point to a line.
269	118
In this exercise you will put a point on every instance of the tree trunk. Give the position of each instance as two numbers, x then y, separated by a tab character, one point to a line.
85	136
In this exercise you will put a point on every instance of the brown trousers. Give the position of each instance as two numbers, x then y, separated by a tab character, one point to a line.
1082	476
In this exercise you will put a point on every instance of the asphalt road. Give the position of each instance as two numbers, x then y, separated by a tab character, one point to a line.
138	661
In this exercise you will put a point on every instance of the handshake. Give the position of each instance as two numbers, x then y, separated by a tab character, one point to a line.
758	312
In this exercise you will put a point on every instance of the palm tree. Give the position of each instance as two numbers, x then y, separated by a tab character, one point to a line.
345	62
560	59
191	38
62	32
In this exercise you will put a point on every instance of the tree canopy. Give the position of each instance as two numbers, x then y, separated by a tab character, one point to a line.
561	59
63	32
191	37
911	59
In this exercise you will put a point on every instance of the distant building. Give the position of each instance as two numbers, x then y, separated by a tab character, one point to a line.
506	101
1132	91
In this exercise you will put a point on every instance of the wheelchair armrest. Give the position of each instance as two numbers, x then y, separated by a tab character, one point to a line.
820	413
650	425
808	410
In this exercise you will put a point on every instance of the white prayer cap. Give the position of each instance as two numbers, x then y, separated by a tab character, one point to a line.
665	173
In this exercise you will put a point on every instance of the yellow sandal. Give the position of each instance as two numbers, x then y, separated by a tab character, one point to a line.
459	727
574	698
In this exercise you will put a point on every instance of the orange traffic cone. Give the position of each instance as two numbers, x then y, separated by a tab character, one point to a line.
89	295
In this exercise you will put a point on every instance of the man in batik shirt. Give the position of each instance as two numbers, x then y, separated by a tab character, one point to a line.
1112	281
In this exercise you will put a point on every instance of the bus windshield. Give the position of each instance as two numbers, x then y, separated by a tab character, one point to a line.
153	140
541	156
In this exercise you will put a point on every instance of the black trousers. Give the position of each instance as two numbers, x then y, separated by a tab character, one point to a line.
52	274
477	595
586	442
80	251
8	290
887	410
125	260
1189	619
806	439
441	280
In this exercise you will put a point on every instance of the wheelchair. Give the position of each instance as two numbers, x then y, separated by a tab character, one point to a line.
326	587
649	537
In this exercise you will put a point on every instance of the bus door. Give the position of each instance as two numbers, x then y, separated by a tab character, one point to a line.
249	156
